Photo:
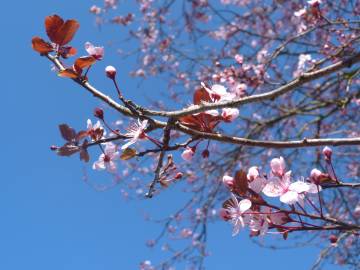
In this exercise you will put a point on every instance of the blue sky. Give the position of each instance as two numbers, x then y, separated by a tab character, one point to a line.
50	219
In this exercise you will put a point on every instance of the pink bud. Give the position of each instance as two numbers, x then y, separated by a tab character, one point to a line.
99	113
110	72
228	181
315	176
188	153
179	175
327	151
253	172
333	239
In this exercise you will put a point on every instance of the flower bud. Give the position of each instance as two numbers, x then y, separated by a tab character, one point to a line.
333	239
315	176
179	175
188	153
205	153
327	152
228	181
110	72
54	147
99	113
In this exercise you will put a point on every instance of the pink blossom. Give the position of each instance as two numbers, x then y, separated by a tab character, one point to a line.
236	211
300	12
229	114
259	223
96	52
289	193
188	153
228	181
256	182
218	92
107	159
136	132
278	166
316	176
95	9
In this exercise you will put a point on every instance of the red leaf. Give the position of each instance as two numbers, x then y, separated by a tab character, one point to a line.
67	132
67	150
84	155
41	46
68	73
201	95
52	25
67	51
66	32
59	32
84	62
241	184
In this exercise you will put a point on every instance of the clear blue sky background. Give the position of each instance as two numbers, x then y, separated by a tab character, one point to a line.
50	219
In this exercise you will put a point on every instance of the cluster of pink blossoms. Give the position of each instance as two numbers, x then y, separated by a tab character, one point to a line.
278	183
217	93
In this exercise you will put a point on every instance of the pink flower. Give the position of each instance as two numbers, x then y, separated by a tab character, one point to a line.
96	52
106	159
259	224
136	132
218	92
228	181
229	114
300	12
235	211
289	193
188	153
278	166
316	176
256	182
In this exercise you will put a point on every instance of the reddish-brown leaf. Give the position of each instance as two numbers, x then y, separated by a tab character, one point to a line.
67	51
84	155
52	26
66	32
41	46
59	32
201	95
128	153
68	149
241	184
84	62
67	132
68	73
81	135
191	121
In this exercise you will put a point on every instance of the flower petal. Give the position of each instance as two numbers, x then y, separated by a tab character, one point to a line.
289	197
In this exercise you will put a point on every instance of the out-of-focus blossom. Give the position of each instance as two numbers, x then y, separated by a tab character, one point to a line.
188	153
107	159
